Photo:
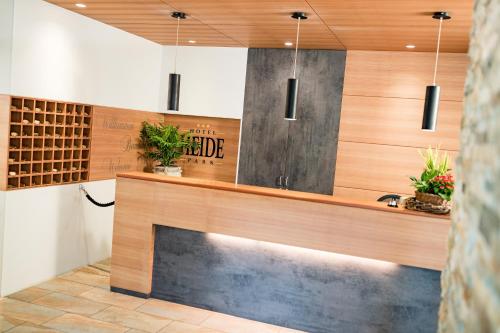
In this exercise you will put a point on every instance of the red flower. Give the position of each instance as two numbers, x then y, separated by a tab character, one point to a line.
441	187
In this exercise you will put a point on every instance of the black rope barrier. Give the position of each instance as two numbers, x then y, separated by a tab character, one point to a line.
98	204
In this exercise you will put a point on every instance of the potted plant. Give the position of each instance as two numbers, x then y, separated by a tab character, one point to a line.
436	184
165	144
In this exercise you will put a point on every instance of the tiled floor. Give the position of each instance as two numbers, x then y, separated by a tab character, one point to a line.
80	301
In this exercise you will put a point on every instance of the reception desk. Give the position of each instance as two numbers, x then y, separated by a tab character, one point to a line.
320	222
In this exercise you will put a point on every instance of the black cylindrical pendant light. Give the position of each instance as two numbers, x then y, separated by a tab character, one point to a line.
174	86
293	83
431	106
174	79
291	99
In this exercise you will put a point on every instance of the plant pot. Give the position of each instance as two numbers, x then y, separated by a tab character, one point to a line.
429	198
174	171
159	170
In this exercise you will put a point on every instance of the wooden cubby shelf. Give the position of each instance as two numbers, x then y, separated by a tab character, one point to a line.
49	143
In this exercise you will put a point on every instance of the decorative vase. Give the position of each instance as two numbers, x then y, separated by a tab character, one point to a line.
159	170
175	171
429	198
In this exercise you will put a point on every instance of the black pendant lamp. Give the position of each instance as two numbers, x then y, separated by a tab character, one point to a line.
293	83
431	106
174	79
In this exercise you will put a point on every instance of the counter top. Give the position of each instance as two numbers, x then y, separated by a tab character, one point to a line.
274	192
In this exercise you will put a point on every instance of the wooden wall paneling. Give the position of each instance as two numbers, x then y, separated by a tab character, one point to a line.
115	137
378	167
312	139
217	158
381	117
264	131
404	74
397	121
4	139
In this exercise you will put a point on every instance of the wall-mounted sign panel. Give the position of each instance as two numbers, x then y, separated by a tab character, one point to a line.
217	154
115	135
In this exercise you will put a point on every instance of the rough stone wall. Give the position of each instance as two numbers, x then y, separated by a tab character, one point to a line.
471	281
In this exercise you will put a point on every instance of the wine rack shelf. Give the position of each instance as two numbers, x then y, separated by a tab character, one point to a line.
49	143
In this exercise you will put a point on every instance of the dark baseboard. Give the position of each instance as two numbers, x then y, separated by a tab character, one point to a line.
129	292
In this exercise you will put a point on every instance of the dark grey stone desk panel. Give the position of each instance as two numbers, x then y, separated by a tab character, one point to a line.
296	288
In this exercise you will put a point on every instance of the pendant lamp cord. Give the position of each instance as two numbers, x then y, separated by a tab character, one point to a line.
437	51
176	45
296	48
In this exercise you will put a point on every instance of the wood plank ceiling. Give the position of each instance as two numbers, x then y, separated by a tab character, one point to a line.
332	24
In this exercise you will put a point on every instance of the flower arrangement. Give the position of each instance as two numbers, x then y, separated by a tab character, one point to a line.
435	180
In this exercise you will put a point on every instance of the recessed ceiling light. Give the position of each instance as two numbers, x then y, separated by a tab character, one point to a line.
191	41
410	46
81	5
288	43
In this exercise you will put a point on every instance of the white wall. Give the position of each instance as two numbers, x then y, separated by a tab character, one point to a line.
61	55
52	230
2	226
65	56
212	80
6	18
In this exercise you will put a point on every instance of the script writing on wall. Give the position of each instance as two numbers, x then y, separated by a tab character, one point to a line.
116	133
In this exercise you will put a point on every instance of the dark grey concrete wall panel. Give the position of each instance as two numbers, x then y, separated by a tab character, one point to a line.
313	138
305	150
264	131
295	288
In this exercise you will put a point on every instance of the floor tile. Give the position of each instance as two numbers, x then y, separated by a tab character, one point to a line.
31	328
85	292
69	303
132	319
71	323
104	265
180	327
7	323
111	298
175	311
88	278
65	286
29	294
231	324
32	313
93	270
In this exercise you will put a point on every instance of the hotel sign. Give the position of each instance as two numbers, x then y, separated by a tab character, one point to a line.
217	152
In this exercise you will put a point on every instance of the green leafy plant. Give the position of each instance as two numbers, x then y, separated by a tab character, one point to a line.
435	179
164	143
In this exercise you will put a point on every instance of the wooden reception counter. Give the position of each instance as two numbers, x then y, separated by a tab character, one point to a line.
364	229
